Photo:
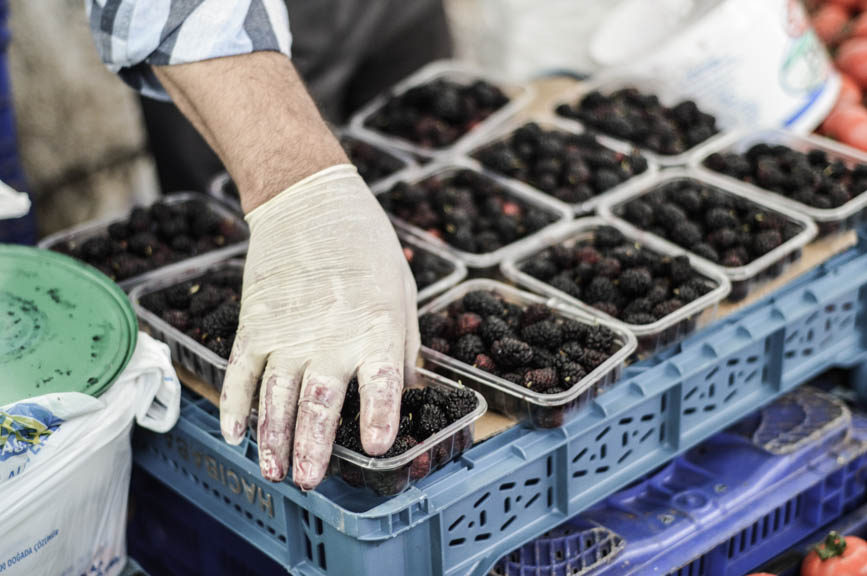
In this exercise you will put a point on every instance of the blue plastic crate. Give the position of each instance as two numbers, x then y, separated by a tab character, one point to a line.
723	507
522	483
170	536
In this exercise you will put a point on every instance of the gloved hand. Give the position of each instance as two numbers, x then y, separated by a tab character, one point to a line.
327	291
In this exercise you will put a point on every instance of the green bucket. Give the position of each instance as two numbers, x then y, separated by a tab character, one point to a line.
64	326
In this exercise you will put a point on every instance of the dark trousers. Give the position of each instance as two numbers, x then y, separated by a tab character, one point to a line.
347	51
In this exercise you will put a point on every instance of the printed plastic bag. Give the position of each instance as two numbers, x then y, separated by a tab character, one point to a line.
65	464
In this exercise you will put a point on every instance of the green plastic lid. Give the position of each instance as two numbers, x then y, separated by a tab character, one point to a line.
64	326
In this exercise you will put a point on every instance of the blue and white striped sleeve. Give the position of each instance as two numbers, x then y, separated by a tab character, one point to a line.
131	35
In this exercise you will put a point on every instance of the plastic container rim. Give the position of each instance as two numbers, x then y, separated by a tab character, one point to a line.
216	190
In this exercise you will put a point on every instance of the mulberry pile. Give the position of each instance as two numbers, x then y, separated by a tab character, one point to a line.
436	114
529	346
154	237
621	278
640	118
814	178
468	210
423	412
205	309
570	167
720	227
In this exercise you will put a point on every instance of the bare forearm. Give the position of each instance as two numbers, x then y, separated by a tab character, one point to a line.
256	114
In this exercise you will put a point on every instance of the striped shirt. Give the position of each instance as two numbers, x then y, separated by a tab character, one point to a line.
132	35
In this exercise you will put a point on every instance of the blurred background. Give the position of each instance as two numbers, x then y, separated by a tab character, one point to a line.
82	143
85	152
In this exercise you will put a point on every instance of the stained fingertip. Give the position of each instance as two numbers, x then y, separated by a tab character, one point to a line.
380	385
239	384
319	407
233	429
278	400
273	456
307	474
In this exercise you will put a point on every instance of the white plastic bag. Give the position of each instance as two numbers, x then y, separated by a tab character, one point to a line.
65	463
746	62
13	204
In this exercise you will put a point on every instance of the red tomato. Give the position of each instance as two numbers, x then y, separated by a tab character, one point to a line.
852	59
859	26
848	4
837	556
829	22
850	93
841	116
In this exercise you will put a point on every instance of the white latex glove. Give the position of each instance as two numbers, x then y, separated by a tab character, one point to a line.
327	291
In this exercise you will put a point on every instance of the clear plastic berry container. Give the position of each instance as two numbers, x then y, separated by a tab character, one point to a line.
547	123
538	409
646	85
454	71
80	234
651	337
454	271
388	476
746	278
186	351
223	188
478	261
829	220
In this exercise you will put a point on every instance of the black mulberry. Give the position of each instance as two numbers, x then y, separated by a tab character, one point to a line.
223	321
636	281
546	334
511	353
429	421
483	302
540	379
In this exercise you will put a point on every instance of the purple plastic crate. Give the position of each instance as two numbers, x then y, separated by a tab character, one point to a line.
789	562
725	506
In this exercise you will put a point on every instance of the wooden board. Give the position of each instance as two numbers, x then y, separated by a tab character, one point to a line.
197	385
